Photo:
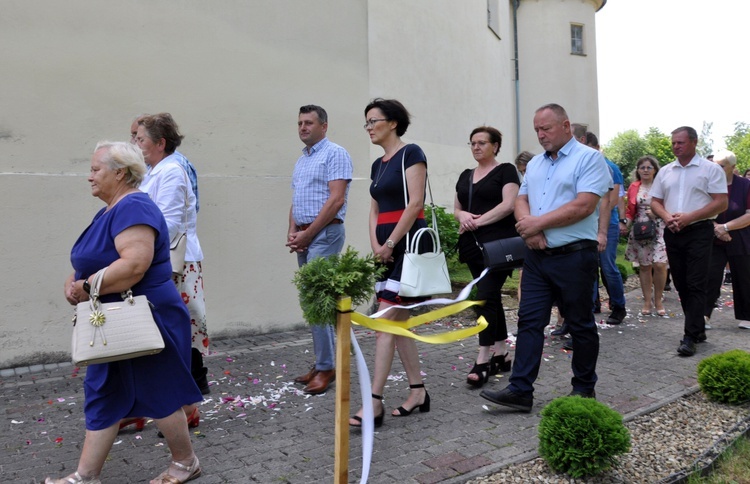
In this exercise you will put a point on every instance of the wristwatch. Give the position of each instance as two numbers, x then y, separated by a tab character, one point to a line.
624	221
389	243
86	286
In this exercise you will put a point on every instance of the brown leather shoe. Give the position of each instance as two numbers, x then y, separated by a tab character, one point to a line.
320	382
305	379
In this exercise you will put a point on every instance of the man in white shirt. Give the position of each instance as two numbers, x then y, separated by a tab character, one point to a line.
688	194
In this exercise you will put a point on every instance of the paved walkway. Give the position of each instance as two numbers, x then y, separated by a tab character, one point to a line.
256	426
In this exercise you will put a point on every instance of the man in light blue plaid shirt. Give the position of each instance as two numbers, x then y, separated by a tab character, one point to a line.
320	185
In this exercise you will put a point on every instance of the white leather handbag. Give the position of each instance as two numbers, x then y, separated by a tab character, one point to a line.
426	273
105	332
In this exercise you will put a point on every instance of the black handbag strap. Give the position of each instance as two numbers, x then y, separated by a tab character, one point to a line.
468	209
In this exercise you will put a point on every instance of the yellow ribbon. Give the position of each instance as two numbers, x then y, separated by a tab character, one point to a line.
401	328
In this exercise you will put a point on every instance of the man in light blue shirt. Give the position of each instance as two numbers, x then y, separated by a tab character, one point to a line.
320	185
557	213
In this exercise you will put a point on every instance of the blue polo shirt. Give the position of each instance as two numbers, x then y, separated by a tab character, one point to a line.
549	184
617	179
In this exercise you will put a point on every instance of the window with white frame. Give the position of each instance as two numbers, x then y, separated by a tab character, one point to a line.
576	39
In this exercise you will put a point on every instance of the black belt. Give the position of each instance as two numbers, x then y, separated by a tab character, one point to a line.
568	248
335	221
696	225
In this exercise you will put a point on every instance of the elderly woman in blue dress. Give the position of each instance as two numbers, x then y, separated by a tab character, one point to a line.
130	238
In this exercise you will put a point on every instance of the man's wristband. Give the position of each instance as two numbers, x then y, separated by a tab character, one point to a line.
624	221
726	229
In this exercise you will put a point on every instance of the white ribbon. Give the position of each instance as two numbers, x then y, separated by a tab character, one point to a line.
441	301
365	387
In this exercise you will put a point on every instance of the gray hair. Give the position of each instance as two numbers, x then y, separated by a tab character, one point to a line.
124	156
725	155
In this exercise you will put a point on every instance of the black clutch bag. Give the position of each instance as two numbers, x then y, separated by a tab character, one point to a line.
503	254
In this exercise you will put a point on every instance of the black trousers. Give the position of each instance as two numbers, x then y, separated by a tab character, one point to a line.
689	254
488	290
740	267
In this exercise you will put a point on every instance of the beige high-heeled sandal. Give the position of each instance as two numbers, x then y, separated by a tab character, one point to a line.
193	469
74	478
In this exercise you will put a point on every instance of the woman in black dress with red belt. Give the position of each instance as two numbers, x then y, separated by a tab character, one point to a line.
487	216
391	218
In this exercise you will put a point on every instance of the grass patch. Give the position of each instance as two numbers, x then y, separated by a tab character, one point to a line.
732	467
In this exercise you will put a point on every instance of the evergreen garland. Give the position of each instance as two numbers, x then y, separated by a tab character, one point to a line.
322	281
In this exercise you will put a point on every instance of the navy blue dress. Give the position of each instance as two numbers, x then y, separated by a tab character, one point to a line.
149	386
387	189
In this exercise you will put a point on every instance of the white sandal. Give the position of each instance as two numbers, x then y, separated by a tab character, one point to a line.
194	471
74	478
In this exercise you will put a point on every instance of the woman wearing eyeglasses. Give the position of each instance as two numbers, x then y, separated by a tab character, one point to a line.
651	255
485	213
391	218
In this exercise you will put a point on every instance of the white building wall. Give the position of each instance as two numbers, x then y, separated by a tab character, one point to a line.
233	74
549	73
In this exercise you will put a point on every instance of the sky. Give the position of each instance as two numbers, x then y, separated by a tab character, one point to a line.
670	63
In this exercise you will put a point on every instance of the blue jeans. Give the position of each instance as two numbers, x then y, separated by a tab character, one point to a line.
610	271
329	241
568	279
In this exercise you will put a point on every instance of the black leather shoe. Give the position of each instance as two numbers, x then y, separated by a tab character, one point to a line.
686	348
568	345
510	399
578	393
617	316
562	330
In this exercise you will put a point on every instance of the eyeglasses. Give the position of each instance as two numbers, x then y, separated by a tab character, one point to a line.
371	122
646	167
481	144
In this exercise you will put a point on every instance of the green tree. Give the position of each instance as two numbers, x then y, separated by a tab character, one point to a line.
659	145
739	144
705	144
625	149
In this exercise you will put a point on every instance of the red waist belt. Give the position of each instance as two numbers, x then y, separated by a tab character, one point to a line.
394	216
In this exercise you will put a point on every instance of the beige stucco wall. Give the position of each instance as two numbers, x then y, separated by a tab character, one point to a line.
233	74
548	71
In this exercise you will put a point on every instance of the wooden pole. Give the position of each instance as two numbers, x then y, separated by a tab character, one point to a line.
343	345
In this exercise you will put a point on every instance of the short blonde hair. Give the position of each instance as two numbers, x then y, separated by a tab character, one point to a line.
124	156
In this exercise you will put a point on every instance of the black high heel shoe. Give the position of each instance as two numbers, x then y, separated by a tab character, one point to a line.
500	364
482	370
378	420
424	407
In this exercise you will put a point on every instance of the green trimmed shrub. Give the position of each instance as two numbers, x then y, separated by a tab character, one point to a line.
322	281
448	229
623	272
580	436
725	377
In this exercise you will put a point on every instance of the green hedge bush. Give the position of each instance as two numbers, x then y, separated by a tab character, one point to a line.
322	281
725	377
580	436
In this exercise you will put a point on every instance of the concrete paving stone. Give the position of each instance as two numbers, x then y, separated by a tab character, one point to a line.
471	464
436	476
36	368
23	370
444	460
